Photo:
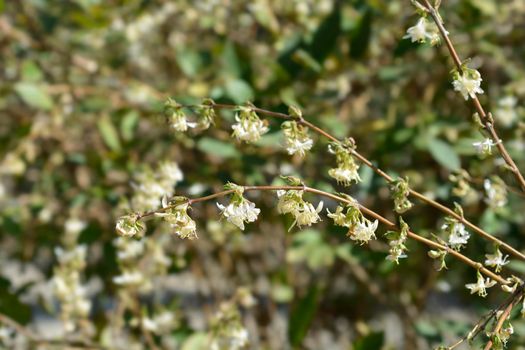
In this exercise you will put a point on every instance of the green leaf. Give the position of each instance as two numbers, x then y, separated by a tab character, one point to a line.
326	36
30	71
34	95
109	134
230	61
239	91
128	125
302	315
372	341
189	61
444	154
217	148
360	36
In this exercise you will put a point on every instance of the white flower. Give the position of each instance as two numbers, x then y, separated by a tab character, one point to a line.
363	231
299	146
506	113
496	260
129	249
480	286
76	256
496	193
129	278
338	216
160	324
418	33
306	214
235	340
485	147
505	333
184	226
468	83
74	226
345	175
239	213
171	172
179	122
248	129
458	235
129	226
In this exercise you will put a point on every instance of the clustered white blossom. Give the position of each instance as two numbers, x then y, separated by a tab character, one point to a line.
227	331
496	192
422	31
151	186
177	216
396	241
72	295
303	212
129	226
360	229
296	138
161	323
496	260
468	82
484	147
347	168
481	285
176	117
249	128
457	234
239	210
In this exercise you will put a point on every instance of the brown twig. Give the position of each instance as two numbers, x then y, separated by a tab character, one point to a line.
485	117
434	245
385	176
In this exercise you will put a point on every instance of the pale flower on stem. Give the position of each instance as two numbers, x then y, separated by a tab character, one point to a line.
481	285
296	138
496	260
249	127
240	210
468	83
485	147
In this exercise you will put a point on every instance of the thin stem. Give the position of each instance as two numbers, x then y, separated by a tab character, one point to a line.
504	315
434	245
486	118
387	177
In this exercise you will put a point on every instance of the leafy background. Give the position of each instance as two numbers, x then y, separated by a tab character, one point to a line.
81	89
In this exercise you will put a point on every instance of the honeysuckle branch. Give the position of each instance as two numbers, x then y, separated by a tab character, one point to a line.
483	321
370	213
486	118
504	316
381	173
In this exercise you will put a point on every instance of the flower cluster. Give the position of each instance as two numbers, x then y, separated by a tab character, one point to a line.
227	331
129	252
422	31
467	82
481	285
151	186
174	113
296	138
397	241
484	147
496	260
439	255
496	192
460	178
304	213
74	304
347	168
457	234
130	225
360	229
206	113
161	323
249	128
240	210
177	216
399	192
